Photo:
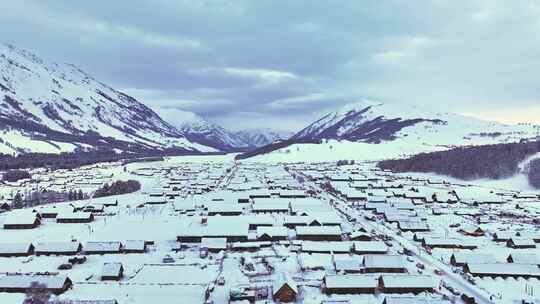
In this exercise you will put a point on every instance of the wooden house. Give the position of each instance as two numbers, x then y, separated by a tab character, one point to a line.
375	263
523	258
16	249
460	258
371	247
102	247
318	233
503	270
284	288
272	234
22	220
408	283
521	243
20	283
112	272
350	284
134	246
75	217
57	248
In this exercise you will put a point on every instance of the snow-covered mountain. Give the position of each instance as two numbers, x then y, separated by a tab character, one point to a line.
372	122
262	136
372	130
199	130
58	107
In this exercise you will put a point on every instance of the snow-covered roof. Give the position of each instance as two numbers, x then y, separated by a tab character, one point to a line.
473	257
25	281
283	279
134	245
525	258
57	246
370	246
214	243
351	281
383	261
14	248
347	263
318	230
409	281
273	231
111	269
21	218
102	246
73	215
311	246
504	269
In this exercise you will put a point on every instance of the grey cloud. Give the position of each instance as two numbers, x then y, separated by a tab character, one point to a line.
241	62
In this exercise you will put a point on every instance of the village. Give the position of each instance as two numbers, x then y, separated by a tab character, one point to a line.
214	230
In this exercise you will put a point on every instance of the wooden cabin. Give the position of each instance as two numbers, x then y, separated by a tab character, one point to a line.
284	289
19	283
112	272
350	284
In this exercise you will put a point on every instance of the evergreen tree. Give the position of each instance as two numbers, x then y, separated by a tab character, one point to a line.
18	201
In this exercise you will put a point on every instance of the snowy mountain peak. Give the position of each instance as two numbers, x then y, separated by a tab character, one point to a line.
200	130
374	122
58	107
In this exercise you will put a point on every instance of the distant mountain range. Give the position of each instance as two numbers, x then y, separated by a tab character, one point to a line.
54	108
197	129
396	129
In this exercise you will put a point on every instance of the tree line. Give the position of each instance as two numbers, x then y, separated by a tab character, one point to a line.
495	161
118	187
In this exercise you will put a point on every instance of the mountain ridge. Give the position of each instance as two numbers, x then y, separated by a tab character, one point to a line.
407	129
54	108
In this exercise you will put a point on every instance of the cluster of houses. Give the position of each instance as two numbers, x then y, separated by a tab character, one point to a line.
287	217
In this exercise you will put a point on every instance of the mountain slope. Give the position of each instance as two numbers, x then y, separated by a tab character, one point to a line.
378	122
58	108
390	130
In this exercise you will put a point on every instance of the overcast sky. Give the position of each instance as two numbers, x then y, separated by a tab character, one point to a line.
280	64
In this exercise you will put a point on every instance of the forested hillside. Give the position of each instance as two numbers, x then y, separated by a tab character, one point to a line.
489	161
